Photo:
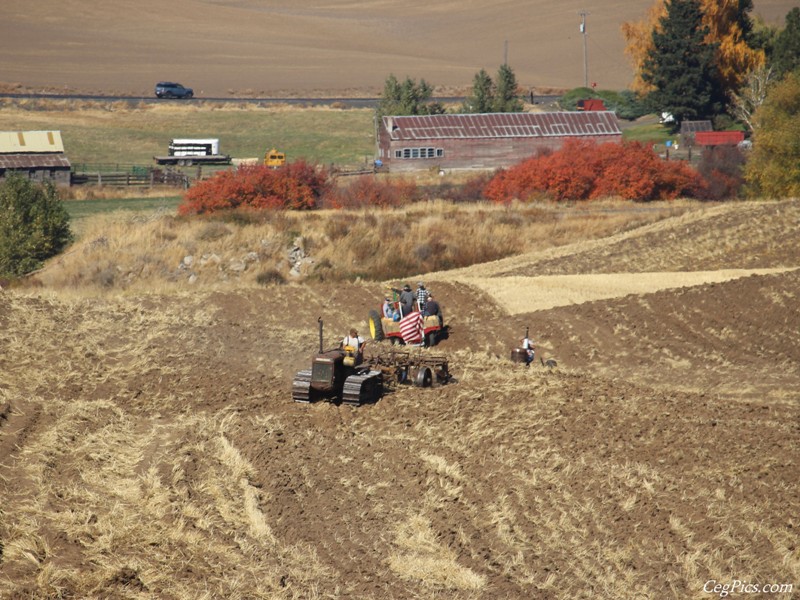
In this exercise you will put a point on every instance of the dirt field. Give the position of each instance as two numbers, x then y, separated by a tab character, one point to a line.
247	47
149	447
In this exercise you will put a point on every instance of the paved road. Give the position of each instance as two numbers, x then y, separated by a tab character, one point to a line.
349	102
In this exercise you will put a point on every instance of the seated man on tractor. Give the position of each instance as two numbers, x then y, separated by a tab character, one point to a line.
353	346
389	311
432	309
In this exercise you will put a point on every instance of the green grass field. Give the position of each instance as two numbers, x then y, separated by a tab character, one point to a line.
655	133
79	210
96	133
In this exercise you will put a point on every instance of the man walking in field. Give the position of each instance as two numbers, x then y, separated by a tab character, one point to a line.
527	345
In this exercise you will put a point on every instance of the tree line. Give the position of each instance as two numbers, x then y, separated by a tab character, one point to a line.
412	97
693	60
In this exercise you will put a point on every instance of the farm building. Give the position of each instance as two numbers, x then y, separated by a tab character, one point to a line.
39	155
485	141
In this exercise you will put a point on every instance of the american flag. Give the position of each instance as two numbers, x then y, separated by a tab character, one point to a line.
411	328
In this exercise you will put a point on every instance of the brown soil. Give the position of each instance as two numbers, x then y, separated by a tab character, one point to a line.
253	48
149	446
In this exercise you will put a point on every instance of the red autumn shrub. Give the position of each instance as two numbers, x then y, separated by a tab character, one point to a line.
571	172
627	170
368	190
583	170
298	185
676	179
521	181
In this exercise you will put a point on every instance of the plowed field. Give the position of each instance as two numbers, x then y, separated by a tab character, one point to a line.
149	447
325	47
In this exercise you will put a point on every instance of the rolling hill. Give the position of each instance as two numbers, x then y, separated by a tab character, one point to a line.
150	447
237	47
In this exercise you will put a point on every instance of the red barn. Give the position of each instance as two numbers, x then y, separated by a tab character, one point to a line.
718	138
591	104
485	141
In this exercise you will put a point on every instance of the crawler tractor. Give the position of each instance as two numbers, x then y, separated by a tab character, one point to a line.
340	375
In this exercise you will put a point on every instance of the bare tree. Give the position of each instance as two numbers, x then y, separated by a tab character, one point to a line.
751	95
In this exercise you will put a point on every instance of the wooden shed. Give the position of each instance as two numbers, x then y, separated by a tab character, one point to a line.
485	141
39	155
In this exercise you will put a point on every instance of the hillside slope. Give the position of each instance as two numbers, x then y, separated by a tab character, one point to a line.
266	48
151	449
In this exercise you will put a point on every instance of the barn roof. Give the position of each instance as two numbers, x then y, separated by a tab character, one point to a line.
14	142
33	161
502	125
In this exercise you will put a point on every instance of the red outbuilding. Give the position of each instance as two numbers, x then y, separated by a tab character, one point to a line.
718	138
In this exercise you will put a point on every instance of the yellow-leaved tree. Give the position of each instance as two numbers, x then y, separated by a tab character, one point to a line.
773	168
728	26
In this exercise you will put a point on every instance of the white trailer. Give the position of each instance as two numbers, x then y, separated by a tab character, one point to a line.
186	151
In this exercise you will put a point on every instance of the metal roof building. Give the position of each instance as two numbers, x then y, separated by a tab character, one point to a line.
37	154
484	141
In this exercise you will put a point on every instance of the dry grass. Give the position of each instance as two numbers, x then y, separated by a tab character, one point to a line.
422	557
528	294
137	252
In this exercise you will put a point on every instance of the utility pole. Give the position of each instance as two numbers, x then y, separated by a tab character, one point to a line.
505	52
583	14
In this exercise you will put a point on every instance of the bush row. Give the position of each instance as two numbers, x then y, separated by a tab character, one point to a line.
581	170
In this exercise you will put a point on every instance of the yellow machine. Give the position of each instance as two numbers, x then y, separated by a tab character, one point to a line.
274	159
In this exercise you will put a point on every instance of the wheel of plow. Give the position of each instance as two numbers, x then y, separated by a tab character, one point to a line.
424	377
401	374
375	327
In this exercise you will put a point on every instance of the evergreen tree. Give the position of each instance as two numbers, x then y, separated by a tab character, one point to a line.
680	65
34	225
745	22
482	98
786	52
505	98
740	43
407	98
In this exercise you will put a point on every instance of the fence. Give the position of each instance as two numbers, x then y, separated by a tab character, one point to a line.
127	175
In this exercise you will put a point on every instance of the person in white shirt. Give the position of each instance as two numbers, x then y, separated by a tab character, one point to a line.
527	345
356	342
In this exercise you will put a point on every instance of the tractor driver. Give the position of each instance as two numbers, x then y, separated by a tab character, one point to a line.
354	343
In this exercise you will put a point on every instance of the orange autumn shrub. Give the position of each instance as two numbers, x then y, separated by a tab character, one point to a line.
297	185
583	170
368	190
